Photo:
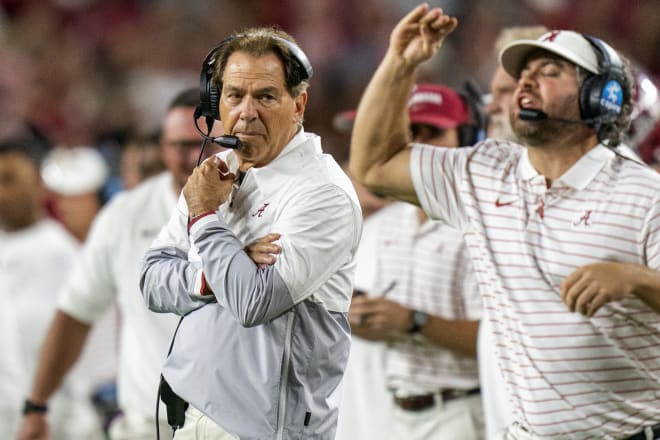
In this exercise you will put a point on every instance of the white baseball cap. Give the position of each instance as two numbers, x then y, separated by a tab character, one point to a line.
74	171
569	45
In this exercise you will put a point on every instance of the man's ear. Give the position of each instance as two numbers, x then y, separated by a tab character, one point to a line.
300	102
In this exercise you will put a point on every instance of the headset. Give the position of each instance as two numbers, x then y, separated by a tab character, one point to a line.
602	95
209	91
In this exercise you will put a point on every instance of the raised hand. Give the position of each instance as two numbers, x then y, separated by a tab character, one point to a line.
419	35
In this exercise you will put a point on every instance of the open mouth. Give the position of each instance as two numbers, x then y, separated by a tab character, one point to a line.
525	102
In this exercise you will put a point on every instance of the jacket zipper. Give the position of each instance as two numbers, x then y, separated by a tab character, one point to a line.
284	380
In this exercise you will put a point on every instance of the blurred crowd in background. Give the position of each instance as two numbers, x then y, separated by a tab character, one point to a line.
92	72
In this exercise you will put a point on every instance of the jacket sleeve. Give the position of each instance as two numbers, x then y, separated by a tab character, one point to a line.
170	269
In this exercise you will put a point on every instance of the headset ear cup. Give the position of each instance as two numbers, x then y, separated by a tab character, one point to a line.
590	97
214	101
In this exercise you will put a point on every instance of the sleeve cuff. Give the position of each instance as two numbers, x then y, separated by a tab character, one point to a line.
199	286
199	217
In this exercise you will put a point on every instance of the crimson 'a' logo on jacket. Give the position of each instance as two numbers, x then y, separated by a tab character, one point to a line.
259	212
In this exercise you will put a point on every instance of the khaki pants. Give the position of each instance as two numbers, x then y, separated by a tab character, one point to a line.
199	427
460	418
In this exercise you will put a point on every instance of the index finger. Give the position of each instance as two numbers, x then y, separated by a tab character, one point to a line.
568	282
416	14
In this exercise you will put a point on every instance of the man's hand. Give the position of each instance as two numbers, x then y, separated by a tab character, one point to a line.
34	427
419	35
263	250
378	316
208	187
590	287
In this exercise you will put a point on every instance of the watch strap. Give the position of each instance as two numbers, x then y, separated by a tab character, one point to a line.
31	407
419	320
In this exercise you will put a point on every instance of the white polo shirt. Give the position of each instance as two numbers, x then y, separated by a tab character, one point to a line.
567	375
109	271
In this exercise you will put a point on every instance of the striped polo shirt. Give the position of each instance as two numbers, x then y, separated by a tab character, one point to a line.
568	376
425	267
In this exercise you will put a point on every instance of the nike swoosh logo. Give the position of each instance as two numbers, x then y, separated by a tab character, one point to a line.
500	204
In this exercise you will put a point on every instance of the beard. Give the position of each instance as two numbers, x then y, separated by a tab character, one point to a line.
548	131
534	133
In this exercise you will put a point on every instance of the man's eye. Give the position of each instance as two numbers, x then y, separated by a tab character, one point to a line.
550	71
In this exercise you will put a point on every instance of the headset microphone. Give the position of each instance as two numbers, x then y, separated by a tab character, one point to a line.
227	141
532	114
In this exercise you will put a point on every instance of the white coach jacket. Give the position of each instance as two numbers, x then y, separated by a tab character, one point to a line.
265	358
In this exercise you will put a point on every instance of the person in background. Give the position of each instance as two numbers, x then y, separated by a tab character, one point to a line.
36	254
564	230
425	304
260	350
107	273
644	132
365	401
141	158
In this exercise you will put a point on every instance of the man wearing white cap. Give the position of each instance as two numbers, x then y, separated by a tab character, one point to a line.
425	303
564	232
109	271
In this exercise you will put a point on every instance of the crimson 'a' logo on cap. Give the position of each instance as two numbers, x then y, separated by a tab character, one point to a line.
551	36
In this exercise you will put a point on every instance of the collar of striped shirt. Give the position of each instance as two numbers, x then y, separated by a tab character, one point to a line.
578	176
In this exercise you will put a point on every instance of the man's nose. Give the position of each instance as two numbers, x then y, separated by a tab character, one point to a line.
248	108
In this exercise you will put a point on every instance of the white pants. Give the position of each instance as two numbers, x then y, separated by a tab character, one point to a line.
131	428
199	427
460	418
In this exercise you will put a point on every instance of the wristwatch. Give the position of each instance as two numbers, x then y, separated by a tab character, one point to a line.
419	320
31	407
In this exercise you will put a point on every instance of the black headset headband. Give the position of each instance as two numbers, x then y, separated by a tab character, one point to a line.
209	93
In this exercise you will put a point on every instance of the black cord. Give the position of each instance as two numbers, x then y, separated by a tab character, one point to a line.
209	125
176	330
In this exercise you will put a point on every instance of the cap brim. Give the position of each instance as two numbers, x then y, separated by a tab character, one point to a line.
514	55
